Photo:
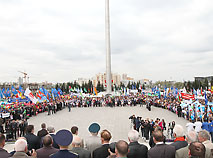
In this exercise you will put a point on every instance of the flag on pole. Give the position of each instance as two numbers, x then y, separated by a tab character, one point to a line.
85	90
30	95
1	94
38	96
14	91
21	90
8	92
206	99
188	96
179	97
201	91
95	91
4	92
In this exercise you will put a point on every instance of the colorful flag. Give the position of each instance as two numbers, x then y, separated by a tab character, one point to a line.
179	97
60	91
38	96
41	93
188	96
14	91
206	99
8	92
85	90
1	94
201	91
4	92
21	90
95	91
30	95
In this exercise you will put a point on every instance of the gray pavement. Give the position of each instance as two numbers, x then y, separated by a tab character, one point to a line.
116	120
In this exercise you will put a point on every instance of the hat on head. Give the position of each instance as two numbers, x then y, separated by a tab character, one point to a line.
63	137
94	128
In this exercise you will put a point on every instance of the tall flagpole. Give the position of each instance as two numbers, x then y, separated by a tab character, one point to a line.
108	53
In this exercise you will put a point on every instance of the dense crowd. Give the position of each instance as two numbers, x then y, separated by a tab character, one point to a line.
13	123
13	119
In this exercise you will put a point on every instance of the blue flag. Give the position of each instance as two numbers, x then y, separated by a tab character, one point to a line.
21	90
1	94
60	91
8	92
14	91
206	99
4	92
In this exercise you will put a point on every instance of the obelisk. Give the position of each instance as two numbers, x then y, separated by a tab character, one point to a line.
108	53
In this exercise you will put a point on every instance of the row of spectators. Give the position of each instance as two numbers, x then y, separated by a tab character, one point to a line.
67	143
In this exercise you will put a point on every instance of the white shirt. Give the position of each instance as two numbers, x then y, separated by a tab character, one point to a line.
198	126
190	126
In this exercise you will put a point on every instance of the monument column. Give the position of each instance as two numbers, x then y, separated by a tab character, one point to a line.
108	53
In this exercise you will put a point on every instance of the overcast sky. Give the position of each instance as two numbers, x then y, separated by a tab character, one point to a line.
62	40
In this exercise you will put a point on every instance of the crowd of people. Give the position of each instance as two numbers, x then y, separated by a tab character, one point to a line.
68	144
14	119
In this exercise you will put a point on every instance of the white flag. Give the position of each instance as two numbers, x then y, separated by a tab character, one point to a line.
30	95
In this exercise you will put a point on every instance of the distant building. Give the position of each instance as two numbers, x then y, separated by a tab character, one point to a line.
80	81
202	79
145	82
20	81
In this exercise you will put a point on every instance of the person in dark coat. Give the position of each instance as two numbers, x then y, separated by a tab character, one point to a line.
64	138
133	121
161	150
43	132
179	141
13	129
102	152
147	129
33	141
138	123
22	128
136	150
76	144
51	131
47	149
179	111
3	152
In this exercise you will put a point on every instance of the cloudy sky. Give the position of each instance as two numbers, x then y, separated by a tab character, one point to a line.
62	40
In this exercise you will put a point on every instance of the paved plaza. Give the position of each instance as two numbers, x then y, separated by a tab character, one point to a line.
115	119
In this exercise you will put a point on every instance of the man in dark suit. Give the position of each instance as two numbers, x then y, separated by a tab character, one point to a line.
47	150
76	144
161	150
136	150
179	141
3	153
43	132
121	150
32	140
102	152
51	131
64	138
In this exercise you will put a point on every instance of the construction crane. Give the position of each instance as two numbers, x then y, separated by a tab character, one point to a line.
25	76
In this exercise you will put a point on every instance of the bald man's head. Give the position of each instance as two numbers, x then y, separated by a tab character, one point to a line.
76	141
122	148
47	141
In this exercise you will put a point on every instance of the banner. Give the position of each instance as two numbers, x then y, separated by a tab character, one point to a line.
5	115
188	96
30	95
